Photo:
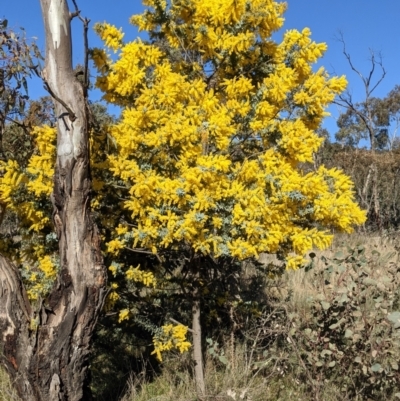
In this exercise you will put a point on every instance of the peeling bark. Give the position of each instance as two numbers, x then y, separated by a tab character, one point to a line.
48	360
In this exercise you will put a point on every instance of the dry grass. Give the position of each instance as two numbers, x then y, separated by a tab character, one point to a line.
7	392
222	383
227	384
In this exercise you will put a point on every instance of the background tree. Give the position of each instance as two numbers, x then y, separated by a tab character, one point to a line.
364	119
392	104
19	60
354	126
367	119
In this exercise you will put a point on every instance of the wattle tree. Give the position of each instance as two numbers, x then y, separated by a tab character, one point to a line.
215	144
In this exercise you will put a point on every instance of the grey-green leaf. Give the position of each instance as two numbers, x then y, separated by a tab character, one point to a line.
376	367
348	333
222	359
325	305
394	317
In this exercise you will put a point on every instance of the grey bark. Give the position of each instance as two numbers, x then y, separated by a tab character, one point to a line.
48	361
197	348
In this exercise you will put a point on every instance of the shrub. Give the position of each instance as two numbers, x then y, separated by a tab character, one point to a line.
352	339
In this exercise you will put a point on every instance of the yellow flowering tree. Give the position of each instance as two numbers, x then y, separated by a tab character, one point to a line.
217	135
25	188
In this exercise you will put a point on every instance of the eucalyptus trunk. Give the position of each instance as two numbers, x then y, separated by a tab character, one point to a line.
45	350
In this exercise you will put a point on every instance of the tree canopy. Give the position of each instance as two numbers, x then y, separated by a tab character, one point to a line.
218	122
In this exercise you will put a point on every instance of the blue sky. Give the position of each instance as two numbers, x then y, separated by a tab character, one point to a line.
368	24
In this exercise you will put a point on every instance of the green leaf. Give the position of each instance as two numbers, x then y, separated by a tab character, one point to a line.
348	333
357	359
222	359
376	368
369	281
325	305
332	364
394	317
339	255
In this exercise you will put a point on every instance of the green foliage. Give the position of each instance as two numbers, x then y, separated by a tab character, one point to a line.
17	136
375	119
355	124
215	351
19	60
352	339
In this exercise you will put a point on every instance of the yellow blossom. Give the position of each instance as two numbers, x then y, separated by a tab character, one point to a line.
123	315
211	154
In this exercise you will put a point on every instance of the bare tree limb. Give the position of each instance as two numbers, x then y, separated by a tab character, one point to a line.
71	114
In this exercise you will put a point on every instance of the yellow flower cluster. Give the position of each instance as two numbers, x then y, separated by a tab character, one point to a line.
123	315
11	178
24	192
135	274
37	179
112	298
41	277
111	36
207	24
114	246
41	164
171	337
211	144
100	58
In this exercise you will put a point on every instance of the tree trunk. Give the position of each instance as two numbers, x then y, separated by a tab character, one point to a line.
197	348
46	351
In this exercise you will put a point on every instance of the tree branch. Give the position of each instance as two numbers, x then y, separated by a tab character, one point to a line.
85	22
71	114
374	62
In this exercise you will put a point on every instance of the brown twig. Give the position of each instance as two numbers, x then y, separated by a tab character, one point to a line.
140	250
85	22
